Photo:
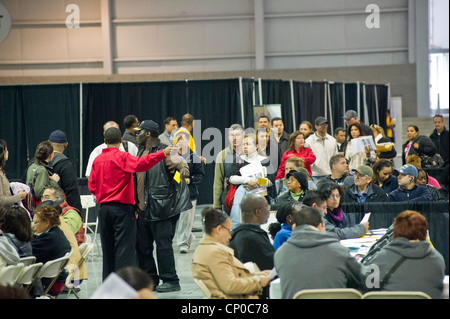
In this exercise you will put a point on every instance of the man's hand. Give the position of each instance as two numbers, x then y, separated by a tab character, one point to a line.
167	150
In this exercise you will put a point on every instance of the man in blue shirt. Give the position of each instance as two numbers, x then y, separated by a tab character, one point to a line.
407	189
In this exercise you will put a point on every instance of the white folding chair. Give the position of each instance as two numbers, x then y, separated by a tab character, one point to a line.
87	202
27	275
71	284
9	274
51	269
26	261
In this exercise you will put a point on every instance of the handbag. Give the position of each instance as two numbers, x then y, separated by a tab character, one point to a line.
433	161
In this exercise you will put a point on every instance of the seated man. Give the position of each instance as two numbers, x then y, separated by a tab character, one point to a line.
339	170
312	258
363	190
407	189
249	241
71	215
317	199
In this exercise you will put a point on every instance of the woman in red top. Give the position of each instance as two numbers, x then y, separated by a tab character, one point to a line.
297	148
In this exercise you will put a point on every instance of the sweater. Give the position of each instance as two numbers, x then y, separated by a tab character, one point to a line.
423	269
311	259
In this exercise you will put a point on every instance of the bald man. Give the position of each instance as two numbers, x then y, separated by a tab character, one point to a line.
125	146
249	241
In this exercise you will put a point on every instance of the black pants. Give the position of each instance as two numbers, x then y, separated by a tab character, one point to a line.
160	233
117	223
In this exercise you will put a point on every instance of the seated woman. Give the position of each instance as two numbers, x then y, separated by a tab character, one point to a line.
297	184
49	241
383	175
214	262
282	230
15	222
417	163
422	268
335	215
292	163
423	179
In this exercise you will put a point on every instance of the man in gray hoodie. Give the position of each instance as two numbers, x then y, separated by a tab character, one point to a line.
313	259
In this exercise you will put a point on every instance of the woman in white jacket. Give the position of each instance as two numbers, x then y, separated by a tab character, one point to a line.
355	160
247	183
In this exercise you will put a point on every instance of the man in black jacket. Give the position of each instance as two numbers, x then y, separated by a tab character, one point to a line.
248	240
160	200
439	136
65	169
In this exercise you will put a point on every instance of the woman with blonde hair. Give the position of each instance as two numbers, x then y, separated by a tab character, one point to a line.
385	146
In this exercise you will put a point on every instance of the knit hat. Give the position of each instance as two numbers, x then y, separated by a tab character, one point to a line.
57	136
300	177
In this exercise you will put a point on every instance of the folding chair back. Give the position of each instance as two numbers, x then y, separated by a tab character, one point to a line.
9	274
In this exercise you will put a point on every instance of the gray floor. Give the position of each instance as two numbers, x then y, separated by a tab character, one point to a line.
189	290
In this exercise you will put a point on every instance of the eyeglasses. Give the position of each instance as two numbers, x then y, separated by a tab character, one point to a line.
229	230
334	196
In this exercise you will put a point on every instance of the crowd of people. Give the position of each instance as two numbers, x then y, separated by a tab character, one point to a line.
145	183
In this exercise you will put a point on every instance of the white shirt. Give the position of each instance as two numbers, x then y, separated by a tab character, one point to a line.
323	148
132	149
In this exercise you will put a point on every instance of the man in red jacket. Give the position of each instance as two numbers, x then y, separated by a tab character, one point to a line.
111	182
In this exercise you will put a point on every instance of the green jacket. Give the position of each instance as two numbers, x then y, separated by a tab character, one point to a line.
42	181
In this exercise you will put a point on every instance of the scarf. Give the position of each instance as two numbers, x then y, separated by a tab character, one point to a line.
336	214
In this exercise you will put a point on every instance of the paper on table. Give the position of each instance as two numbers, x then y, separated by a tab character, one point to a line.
114	287
365	218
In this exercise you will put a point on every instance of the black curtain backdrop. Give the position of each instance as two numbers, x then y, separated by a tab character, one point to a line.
12	130
104	102
217	104
30	113
277	92
337	104
309	100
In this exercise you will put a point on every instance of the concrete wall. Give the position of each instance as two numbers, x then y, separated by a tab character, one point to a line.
142	40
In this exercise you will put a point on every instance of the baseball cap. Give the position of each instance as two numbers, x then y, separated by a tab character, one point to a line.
320	120
148	125
57	136
350	114
364	170
408	169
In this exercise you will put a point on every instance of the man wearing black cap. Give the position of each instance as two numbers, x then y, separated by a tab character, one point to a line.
160	200
324	146
111	182
64	168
